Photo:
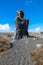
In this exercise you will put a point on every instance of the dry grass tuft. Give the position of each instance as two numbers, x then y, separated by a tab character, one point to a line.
2	53
4	44
36	56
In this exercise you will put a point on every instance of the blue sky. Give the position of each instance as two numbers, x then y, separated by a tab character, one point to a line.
33	10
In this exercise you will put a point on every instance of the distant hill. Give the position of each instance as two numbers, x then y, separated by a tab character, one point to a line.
30	33
7	34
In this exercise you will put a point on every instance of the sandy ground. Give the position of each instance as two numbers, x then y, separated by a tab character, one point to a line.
19	53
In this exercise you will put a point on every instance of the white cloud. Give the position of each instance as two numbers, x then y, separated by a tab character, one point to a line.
4	27
37	29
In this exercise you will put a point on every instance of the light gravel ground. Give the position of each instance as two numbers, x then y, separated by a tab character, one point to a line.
19	53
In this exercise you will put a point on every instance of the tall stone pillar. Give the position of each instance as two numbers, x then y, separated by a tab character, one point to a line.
21	25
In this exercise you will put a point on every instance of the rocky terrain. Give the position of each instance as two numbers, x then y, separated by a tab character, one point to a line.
7	34
18	54
30	33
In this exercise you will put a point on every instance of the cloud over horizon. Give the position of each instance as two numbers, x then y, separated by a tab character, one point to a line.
4	27
38	29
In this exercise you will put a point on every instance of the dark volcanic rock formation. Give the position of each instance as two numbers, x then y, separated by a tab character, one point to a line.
21	25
